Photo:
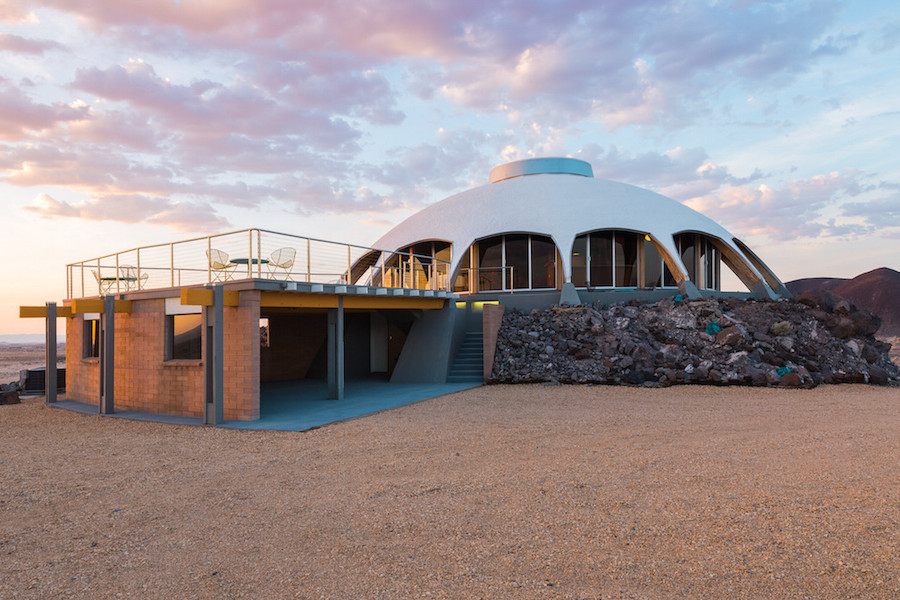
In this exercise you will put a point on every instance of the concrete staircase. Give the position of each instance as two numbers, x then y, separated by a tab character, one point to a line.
469	362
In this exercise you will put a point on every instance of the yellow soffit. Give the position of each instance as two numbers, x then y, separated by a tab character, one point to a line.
294	300
30	312
204	297
93	305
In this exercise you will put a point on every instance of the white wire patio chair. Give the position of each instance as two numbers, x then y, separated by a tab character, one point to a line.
281	260
105	284
222	270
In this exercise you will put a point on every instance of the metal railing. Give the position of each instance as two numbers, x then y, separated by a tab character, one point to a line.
253	254
485	279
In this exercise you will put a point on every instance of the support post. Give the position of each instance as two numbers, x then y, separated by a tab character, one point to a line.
50	355
336	351
214	405
108	355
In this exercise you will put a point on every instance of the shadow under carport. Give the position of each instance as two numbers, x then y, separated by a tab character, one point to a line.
303	404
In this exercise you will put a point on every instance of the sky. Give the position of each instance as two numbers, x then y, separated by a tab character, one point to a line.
132	123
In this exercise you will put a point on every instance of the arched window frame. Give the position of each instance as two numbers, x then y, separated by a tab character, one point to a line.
638	277
473	276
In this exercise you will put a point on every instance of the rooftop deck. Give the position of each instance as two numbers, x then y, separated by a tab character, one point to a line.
252	254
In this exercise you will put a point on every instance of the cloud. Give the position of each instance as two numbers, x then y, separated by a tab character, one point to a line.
881	211
299	104
20	116
621	63
790	212
134	208
453	161
20	45
636	63
679	173
204	110
15	11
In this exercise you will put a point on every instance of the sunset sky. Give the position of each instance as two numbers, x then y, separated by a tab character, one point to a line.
136	122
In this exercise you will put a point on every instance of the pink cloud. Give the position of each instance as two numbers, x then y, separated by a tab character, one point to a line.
793	211
15	11
20	45
134	208
621	63
20	115
201	110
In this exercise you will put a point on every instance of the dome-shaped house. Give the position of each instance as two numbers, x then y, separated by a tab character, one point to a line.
546	225
414	307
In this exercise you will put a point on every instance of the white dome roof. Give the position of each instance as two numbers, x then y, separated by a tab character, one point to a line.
561	204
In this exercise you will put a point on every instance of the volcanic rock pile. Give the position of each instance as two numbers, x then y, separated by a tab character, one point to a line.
9	393
811	339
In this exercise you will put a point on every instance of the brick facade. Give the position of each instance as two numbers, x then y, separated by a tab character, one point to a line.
146	382
242	358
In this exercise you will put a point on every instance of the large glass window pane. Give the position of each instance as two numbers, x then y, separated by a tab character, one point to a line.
91	346
668	278
490	264
579	261
442	254
652	265
685	244
702	256
601	265
543	262
517	261
711	265
461	283
626	259
185	335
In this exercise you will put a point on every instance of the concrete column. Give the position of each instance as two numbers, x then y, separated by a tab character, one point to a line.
214	365
336	351
108	355
569	295
50	355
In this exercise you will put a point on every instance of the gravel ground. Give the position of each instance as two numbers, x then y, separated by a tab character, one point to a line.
496	492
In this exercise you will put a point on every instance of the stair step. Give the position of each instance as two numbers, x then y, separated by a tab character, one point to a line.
468	364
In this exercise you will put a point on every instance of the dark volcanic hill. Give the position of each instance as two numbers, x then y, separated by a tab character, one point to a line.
798	286
877	291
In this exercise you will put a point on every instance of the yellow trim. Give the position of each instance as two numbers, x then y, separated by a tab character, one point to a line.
29	312
289	300
294	300
91	305
392	302
204	297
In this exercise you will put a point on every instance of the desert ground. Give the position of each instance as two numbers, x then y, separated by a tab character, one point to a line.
497	492
17	357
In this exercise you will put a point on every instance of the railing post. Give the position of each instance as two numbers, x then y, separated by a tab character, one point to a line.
308	262
258	254
172	265
250	254
348	264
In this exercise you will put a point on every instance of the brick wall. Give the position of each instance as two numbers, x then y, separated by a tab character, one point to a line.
82	374
241	358
146	382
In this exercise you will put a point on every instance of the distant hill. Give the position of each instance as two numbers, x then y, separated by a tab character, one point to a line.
877	291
